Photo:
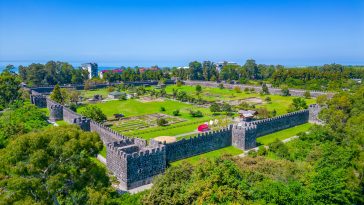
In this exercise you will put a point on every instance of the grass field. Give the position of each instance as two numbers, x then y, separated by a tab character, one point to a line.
103	151
209	155
91	93
134	107
61	123
284	134
278	103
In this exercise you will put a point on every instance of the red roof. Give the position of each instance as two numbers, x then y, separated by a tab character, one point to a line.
202	128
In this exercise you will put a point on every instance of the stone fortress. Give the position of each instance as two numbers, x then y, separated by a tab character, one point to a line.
135	162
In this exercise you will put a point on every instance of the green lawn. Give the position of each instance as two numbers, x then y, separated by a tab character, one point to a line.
278	103
103	151
133	107
212	94
209	155
91	93
283	134
61	123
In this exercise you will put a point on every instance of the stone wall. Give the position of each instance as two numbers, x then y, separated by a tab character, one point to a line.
274	91
244	135
69	115
199	144
55	110
314	112
135	166
38	99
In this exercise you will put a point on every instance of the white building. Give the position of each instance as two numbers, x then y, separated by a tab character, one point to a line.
92	69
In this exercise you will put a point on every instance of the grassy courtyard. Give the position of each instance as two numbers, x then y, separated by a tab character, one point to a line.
209	155
142	125
278	103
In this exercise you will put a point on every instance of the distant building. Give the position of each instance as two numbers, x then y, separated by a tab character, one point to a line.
92	69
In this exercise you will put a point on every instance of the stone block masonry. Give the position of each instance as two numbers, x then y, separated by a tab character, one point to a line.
202	143
244	135
135	166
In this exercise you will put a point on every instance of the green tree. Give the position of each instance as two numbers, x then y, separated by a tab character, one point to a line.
56	95
93	112
20	120
53	166
297	104
265	89
162	121
307	94
198	89
9	88
214	107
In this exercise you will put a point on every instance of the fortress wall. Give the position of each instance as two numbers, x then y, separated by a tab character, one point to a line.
199	144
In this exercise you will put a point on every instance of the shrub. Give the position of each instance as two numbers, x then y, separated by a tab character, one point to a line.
196	113
110	89
237	89
246	90
179	83
123	96
162	109
198	88
214	107
268	99
307	94
73	107
176	113
221	86
265	89
162	122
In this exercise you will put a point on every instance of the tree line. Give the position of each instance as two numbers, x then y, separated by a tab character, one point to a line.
326	77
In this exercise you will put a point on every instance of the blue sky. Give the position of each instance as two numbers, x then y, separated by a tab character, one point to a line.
175	32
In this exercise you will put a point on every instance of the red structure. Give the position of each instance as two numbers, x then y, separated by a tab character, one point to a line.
203	128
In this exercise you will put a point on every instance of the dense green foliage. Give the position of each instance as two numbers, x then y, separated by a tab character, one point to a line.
17	121
93	112
52	166
52	73
130	74
324	166
326	77
9	88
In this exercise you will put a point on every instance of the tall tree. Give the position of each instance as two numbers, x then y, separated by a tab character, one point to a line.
53	166
56	95
9	88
